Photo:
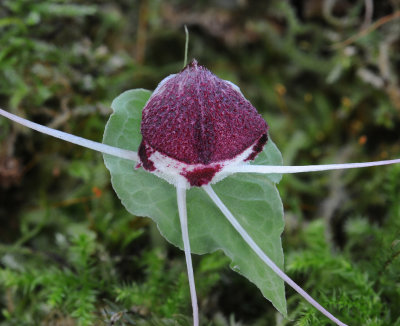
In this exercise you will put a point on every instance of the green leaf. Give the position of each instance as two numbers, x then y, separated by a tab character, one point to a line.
253	199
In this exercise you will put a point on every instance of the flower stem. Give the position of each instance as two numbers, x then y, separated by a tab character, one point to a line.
249	240
186	46
181	198
103	148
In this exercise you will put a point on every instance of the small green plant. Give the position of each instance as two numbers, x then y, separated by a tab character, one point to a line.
133	189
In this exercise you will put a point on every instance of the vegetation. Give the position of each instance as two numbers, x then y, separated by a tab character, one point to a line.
325	79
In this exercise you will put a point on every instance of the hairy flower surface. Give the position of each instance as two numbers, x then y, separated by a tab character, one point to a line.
196	124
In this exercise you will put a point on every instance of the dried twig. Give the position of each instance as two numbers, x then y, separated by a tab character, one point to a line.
368	30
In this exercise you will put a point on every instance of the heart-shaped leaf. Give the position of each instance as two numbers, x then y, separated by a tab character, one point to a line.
253	200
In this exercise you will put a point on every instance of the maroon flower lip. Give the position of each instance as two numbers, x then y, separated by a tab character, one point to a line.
200	120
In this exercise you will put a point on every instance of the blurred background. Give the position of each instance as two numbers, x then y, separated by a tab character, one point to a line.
323	73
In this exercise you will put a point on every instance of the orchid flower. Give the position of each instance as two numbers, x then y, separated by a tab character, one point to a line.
198	129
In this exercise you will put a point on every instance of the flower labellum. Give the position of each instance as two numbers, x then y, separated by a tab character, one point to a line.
196	124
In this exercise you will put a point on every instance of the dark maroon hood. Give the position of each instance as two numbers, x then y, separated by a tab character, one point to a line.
197	118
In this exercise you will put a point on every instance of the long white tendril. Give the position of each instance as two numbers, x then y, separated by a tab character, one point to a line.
99	147
181	198
249	240
304	168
